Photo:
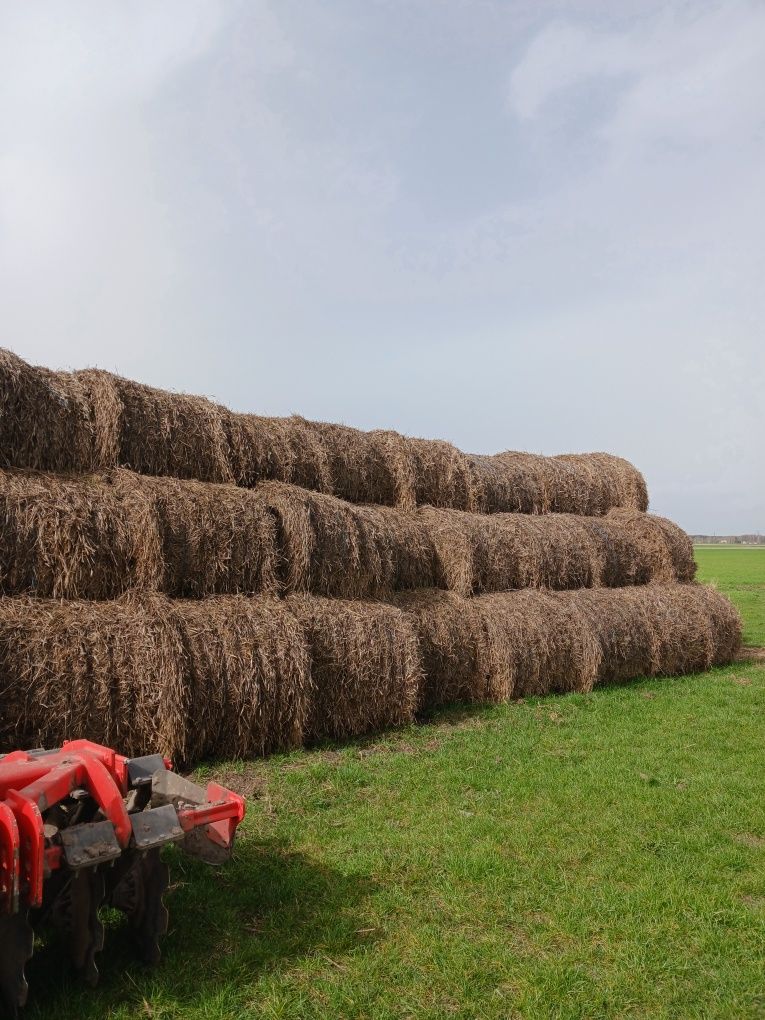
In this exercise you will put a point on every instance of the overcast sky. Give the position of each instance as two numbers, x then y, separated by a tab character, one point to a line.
507	223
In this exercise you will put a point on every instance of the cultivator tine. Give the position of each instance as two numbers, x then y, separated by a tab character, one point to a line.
16	946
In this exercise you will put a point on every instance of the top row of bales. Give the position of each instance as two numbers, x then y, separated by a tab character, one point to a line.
79	422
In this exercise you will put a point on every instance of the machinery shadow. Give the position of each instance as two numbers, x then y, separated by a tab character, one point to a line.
266	907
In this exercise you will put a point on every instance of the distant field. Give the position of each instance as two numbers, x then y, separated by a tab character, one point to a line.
740	573
584	857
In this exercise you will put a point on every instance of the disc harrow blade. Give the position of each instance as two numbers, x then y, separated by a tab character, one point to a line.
16	947
75	912
139	890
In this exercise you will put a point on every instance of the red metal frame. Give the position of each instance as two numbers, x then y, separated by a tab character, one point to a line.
10	844
221	815
31	783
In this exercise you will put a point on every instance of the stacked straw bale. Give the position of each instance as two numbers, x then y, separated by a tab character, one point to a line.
153	431
96	536
501	646
45	418
234	677
365	666
176	577
248	674
328	546
112	671
591	483
211	539
94	420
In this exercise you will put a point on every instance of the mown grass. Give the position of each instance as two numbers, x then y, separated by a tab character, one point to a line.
568	857
740	573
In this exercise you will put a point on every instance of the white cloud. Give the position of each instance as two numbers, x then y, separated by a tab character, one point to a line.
564	54
694	75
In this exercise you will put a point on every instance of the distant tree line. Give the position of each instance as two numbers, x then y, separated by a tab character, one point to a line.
729	539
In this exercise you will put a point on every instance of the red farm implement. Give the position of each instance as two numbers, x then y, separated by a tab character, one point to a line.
82	827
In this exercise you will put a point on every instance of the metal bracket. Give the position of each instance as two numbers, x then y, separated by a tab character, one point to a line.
90	844
155	827
141	770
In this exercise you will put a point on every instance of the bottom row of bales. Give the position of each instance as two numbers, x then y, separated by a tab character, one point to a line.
232	676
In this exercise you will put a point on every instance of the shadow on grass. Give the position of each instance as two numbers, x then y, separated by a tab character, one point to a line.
228	927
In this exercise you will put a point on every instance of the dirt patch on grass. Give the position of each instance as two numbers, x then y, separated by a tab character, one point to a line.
249	782
751	655
749	839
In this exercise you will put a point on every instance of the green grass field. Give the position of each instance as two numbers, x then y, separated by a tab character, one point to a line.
740	573
588	856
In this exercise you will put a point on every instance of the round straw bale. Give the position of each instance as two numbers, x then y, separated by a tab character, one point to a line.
391	449
685	637
725	622
258	449
331	547
683	628
317	537
522	476
157	432
44	418
106	414
401	541
107	671
74	537
456	539
359	463
555	551
667	629
495	489
213	538
248	674
364	664
599	482
441	474
664	551
461	659
578	483
549	644
283	449
423	471
624	630
617	558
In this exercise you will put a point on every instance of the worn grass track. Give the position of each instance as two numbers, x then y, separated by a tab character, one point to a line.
596	855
